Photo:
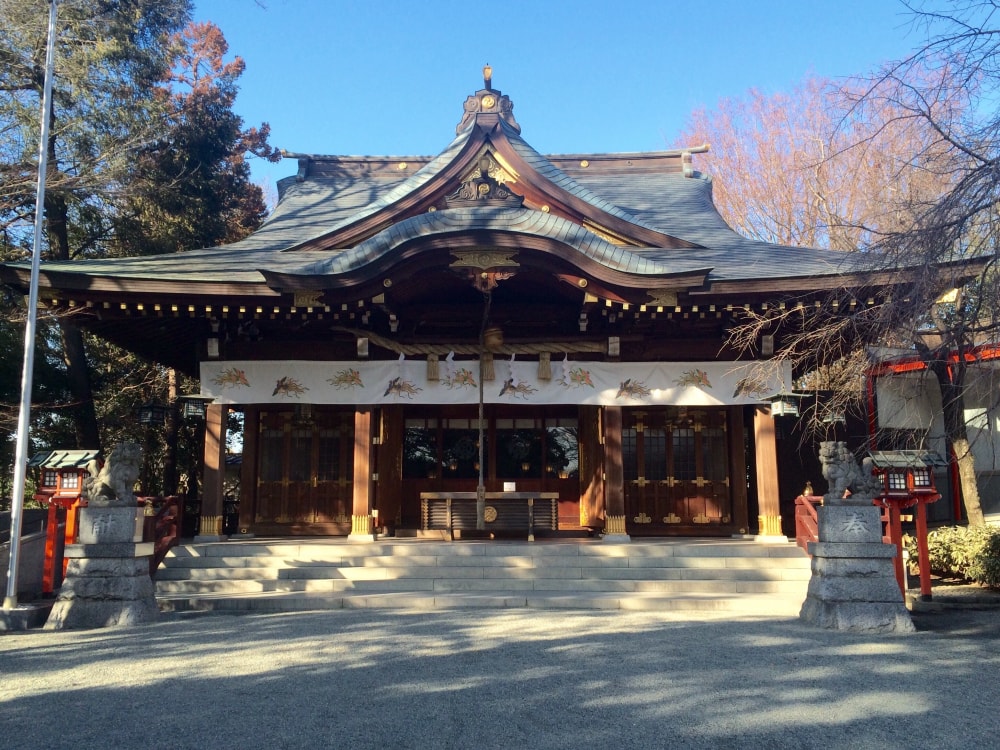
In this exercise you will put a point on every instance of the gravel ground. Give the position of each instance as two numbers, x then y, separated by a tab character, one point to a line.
501	679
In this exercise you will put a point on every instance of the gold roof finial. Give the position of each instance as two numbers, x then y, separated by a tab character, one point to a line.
488	77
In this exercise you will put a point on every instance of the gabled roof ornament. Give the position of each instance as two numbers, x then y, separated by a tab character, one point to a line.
488	101
483	187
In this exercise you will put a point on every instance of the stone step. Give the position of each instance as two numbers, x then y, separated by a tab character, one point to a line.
172	588
734	570
232	552
736	604
280	575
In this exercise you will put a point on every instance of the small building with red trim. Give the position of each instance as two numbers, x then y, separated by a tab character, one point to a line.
905	413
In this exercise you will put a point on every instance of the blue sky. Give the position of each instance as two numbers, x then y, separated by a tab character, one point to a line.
389	77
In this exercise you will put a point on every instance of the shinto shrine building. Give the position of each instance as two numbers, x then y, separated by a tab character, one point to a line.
408	327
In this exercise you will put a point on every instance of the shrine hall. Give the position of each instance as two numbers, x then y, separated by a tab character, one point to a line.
478	340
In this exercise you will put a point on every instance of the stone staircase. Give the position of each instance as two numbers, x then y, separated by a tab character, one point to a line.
737	576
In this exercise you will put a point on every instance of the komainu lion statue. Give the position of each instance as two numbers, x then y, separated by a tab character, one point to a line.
849	483
112	485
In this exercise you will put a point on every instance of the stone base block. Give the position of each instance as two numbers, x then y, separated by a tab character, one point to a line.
100	613
849	549
25	616
113	550
860	567
876	588
104	592
770	539
616	538
115	524
839	523
857	617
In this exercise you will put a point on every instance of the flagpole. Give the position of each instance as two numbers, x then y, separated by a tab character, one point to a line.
24	416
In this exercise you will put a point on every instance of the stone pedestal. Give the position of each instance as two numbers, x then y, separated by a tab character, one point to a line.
853	585
107	581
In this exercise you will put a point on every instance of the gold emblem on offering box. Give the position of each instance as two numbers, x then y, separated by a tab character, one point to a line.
490	514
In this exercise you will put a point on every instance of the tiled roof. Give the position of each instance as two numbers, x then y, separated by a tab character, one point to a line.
334	192
518	220
547	169
682	207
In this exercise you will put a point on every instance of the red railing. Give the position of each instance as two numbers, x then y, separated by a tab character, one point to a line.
162	527
806	520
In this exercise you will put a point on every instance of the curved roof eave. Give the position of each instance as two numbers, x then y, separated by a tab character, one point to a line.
407	187
519	222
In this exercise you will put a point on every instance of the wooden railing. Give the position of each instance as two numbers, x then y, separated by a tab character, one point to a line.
806	520
162	527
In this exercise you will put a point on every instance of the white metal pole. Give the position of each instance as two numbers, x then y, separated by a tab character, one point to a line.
24	417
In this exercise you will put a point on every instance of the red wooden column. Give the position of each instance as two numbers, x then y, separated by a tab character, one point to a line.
923	553
614	476
210	528
768	505
361	515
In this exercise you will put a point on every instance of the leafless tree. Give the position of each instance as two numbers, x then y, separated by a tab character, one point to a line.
901	168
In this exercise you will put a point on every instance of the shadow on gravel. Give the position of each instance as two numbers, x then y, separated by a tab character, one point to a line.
500	679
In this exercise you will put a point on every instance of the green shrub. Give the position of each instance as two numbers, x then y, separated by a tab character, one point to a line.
969	552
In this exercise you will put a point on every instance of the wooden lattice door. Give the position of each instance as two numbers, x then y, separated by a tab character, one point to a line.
676	470
305	467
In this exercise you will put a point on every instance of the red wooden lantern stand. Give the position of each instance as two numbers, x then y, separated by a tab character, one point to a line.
61	488
907	480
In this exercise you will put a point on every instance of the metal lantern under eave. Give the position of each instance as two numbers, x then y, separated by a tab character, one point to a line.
194	405
152	413
784	404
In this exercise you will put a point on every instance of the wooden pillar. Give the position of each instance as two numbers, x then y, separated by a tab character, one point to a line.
210	528
361	517
738	461
766	454
248	470
388	488
923	553
592	508
614	476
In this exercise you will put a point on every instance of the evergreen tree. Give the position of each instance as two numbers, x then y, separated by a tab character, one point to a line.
109	56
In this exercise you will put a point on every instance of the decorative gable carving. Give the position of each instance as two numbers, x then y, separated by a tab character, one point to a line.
662	298
484	259
485	268
495	168
481	188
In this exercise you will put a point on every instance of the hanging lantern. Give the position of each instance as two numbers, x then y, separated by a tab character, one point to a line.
152	413
784	404
194	405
